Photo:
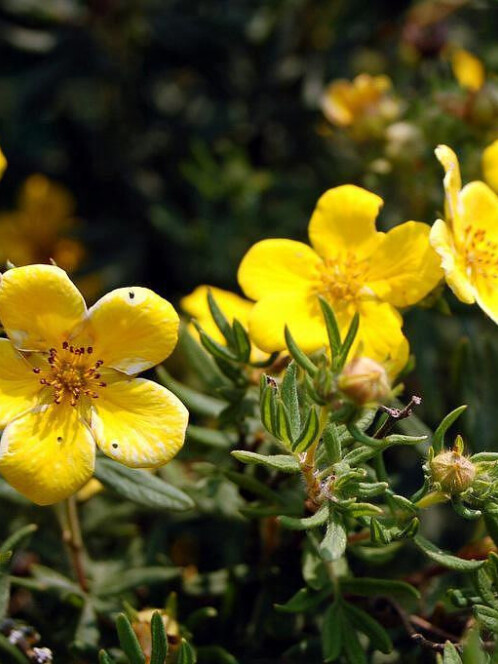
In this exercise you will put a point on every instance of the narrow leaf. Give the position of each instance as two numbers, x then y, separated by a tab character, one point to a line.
317	519
298	355
241	342
334	543
309	432
371	587
186	654
379	638
446	559
332	633
290	399
283	462
219	318
349	340
332	328
128	640
438	439
159	639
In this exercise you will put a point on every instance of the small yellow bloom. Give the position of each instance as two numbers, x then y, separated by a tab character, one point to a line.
467	241
365	104
352	265
232	305
490	165
37	230
67	381
3	164
467	69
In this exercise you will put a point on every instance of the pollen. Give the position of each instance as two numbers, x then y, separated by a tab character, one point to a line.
480	254
340	280
71	374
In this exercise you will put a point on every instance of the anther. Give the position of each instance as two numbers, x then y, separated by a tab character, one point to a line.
89	350
36	370
65	345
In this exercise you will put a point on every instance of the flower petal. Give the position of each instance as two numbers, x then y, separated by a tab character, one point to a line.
486	294
3	164
404	268
139	423
131	329
344	220
380	336
39	306
490	165
299	311
452	181
19	386
47	454
451	262
277	266
231	304
479	210
467	69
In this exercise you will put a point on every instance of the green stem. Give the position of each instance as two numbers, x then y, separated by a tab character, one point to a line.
71	536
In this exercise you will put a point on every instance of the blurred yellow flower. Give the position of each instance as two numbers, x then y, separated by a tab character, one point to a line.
365	104
353	266
467	69
232	305
490	165
37	230
3	163
67	381
467	241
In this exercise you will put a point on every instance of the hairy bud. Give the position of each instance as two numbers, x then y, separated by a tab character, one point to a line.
453	471
364	381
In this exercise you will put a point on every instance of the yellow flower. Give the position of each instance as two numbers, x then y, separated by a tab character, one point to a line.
352	265
467	69
67	381
37	230
467	241
3	164
490	165
365	104
232	305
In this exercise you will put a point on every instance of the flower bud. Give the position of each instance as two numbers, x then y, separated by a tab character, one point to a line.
364	381
141	624
453	471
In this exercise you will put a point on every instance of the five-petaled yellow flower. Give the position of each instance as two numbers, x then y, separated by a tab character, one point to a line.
67	381
352	265
365	104
467	240
232	306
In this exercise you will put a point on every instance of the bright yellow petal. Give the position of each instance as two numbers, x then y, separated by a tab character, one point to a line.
404	268
486	294
139	423
380	336
131	329
467	69
277	266
231	304
336	103
47	454
490	165
344	220
299	311
479	210
19	386
39	306
451	262
3	164
452	181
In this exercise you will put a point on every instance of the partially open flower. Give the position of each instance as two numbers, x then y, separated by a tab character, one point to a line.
453	471
364	381
141	624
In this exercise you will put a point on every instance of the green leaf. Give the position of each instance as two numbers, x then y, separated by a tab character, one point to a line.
332	443
450	654
159	639
439	434
4	594
128	640
332	328
186	654
355	653
210	437
309	432
218	351
379	534
332	633
349	339
283	462
379	638
446	559
284	428
298	355
137	576
335	541
304	600
196	402
141	487
357	510
15	655
487	616
317	519
104	658
87	631
55	581
290	399
485	587
219	318
241	342
371	587
249	483
17	537
268	407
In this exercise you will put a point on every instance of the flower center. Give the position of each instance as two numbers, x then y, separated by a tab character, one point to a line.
340	279
481	253
71	373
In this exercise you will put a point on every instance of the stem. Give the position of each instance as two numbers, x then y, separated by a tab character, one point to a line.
71	536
